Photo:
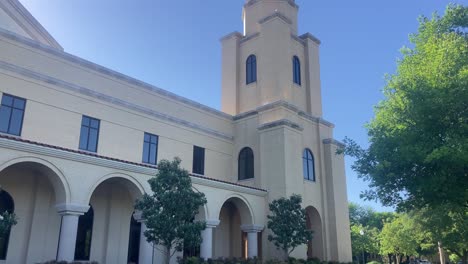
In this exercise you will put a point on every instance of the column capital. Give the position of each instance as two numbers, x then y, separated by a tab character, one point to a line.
252	228
212	223
71	209
138	215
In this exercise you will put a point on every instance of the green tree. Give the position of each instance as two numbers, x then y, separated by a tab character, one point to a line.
7	220
418	152
170	210
287	221
398	238
364	240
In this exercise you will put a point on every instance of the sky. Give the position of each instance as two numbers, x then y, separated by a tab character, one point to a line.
174	45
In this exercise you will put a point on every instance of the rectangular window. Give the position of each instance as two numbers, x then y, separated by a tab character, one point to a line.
150	149
198	160
89	135
12	114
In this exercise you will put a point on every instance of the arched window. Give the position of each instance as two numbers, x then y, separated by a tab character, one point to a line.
84	235
246	164
308	165
251	69
296	70
6	205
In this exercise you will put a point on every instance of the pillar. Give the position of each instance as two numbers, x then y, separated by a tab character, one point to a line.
69	227
252	239
206	247
146	248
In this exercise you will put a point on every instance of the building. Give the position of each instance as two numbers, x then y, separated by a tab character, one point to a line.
79	141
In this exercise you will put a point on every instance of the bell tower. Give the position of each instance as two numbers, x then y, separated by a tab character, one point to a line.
269	62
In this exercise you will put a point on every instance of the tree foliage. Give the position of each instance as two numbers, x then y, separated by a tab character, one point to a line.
398	237
287	221
418	152
169	212
7	220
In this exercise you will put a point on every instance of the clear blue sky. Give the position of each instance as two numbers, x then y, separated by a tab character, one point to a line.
174	44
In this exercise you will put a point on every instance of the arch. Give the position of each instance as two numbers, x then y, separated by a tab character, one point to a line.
6	205
251	69
297	70
132	184
53	173
308	165
314	222
245	164
244	207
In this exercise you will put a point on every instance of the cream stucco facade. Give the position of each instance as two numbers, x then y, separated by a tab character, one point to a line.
54	183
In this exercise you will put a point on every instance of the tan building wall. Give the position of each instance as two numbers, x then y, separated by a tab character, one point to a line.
273	116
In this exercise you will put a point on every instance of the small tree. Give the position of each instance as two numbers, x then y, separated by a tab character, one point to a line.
288	224
170	211
7	220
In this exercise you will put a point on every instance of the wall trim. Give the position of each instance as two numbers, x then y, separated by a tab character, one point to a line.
281	122
334	142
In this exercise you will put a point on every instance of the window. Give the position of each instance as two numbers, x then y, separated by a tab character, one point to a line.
308	165
11	114
150	149
84	235
6	205
246	164
198	160
251	69
296	70
89	133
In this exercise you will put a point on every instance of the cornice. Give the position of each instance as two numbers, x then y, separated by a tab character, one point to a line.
247	38
334	142
234	34
253	2
273	16
109	99
16	143
281	122
110	73
311	37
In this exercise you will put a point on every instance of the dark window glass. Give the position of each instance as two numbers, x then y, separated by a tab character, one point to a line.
251	69
89	135
134	241
296	70
84	235
246	164
198	160
150	149
12	114
6	205
308	166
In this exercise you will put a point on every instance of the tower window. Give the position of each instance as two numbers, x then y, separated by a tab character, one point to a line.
246	164
251	69
150	149
11	114
308	165
296	70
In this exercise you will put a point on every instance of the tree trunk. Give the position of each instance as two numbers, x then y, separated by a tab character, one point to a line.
167	255
389	258
441	253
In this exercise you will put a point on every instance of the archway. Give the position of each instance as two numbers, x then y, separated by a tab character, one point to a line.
314	223
113	201
36	187
229	239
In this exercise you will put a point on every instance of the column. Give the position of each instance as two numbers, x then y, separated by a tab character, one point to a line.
67	240
206	248
252	241
146	248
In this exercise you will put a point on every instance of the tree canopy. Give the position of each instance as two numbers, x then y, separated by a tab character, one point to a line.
169	212
287	221
418	152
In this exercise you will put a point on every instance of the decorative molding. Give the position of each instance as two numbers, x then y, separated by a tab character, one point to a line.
247	38
16	143
234	34
253	2
316	119
311	37
71	209
296	38
275	15
109	99
334	142
110	73
212	223
281	122
245	115
252	228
